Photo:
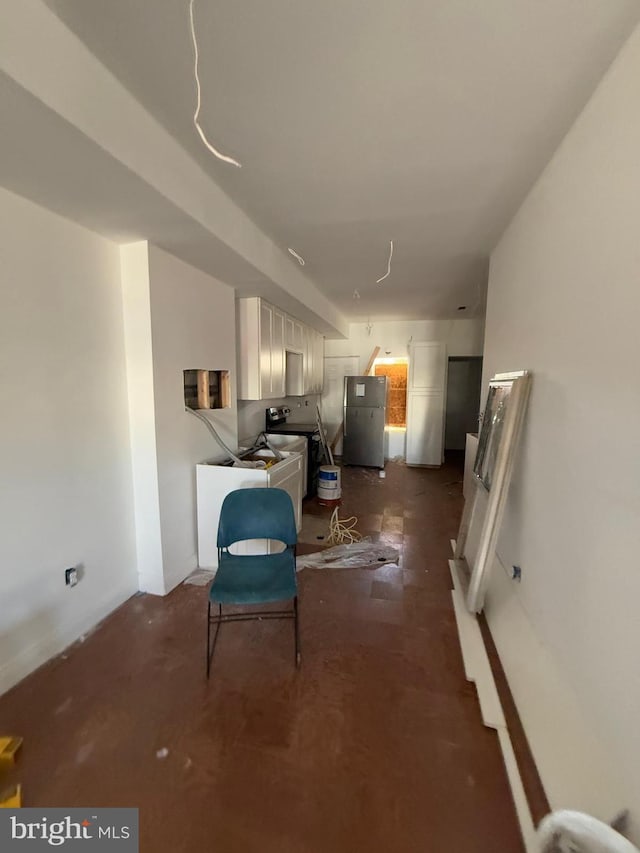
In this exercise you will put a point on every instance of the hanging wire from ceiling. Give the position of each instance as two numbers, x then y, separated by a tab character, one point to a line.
299	259
388	263
224	157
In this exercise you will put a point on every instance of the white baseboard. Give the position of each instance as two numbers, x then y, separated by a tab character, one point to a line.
53	643
576	770
478	670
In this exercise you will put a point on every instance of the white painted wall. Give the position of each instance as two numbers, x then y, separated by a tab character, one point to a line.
176	318
462	337
193	326
564	301
66	494
136	300
251	414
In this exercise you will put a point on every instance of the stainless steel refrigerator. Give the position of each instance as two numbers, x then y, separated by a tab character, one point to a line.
365	401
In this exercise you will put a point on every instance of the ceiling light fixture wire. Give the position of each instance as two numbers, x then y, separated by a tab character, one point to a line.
201	133
300	260
388	263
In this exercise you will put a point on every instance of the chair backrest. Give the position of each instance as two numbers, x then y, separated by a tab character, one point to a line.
257	514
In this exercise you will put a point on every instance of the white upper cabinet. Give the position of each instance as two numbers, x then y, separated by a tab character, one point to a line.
308	359
265	335
293	337
262	338
260	350
318	363
277	354
427	366
314	361
289	332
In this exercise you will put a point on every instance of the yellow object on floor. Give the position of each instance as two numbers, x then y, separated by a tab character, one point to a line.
11	798
8	749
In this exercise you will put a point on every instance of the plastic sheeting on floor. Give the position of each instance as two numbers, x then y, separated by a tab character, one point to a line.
200	577
356	555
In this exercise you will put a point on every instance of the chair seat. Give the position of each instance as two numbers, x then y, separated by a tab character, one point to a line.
254	579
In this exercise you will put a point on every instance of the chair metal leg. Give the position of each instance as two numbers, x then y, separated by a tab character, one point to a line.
281	614
297	631
211	646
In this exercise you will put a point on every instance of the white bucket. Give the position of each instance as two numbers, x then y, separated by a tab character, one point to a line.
329	484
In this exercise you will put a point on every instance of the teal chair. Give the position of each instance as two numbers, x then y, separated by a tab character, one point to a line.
256	578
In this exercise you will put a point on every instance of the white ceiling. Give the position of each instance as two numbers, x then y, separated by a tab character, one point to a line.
361	121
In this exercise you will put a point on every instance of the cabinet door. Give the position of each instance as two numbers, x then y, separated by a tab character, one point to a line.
289	478
277	354
307	354
266	318
250	353
318	363
425	428
427	366
289	332
298	336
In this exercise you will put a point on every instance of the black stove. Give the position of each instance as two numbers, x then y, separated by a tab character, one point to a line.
276	423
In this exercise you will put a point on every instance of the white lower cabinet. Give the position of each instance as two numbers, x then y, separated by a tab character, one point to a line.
213	484
293	444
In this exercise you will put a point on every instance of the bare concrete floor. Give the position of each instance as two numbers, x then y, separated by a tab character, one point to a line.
375	744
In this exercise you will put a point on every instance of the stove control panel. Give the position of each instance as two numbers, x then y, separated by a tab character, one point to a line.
277	415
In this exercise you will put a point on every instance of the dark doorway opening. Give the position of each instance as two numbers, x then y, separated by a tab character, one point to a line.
464	379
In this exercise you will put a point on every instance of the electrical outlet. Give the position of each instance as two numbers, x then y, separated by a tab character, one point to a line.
71	576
